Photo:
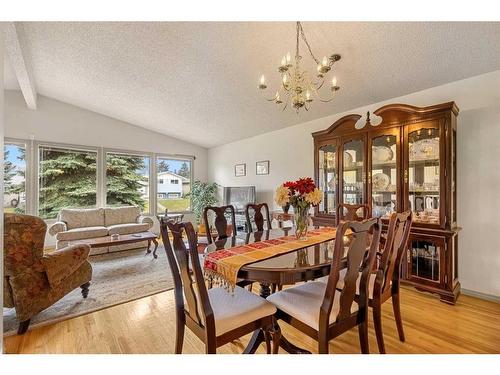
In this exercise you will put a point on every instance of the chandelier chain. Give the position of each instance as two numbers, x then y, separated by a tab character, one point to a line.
299	27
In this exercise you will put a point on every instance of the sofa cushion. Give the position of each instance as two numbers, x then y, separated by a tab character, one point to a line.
79	218
82	233
121	215
128	228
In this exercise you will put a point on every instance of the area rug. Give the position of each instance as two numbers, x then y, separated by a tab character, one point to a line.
116	278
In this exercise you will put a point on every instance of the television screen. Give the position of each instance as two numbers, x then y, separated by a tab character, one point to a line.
239	196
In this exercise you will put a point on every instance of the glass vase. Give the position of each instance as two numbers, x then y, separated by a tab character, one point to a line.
301	221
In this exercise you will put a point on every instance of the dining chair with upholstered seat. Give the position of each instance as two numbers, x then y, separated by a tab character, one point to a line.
350	212
258	218
216	316
384	282
220	222
321	311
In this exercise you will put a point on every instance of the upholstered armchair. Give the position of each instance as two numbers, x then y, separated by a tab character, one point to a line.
33	280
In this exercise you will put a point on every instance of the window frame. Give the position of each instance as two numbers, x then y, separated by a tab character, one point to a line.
151	157
36	169
28	186
187	158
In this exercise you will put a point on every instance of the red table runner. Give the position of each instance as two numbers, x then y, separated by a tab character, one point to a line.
222	266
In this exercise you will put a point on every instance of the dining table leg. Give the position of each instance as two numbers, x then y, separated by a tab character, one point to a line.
258	335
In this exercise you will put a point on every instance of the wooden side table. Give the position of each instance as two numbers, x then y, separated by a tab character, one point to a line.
281	217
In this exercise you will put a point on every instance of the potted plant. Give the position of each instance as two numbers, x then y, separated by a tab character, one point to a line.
202	194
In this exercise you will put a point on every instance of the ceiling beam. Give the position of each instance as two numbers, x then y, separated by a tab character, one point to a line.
15	46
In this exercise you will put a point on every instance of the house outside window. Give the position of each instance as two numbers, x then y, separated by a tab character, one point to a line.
174	184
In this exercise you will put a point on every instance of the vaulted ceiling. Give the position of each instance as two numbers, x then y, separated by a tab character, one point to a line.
197	81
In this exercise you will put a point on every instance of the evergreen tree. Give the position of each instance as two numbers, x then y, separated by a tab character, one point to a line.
9	171
124	180
67	179
184	170
162	166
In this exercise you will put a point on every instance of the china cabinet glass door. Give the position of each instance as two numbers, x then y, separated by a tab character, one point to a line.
328	178
383	172
353	171
422	174
424	259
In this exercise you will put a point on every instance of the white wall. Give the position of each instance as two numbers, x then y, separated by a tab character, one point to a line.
55	121
290	152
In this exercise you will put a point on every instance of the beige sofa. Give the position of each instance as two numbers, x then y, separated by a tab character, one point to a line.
79	224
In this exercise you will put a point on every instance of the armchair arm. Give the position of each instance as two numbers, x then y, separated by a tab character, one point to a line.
61	263
58	226
146	220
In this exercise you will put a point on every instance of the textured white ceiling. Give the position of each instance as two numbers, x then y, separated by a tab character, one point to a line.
198	81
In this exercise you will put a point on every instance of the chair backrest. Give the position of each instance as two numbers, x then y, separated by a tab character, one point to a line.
258	217
360	259
220	222
24	237
398	234
352	212
189	283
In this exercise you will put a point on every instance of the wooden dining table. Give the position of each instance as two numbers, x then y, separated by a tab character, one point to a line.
304	264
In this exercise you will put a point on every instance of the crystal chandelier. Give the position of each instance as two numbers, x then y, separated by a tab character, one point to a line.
296	87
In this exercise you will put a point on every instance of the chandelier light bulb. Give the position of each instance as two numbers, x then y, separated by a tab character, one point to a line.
283	61
288	57
325	61
308	96
277	98
334	81
262	82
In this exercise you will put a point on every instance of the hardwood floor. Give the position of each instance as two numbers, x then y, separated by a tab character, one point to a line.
148	325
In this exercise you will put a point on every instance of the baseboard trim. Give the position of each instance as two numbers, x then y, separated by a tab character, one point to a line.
488	297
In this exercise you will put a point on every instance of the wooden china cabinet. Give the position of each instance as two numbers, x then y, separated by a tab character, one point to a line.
408	161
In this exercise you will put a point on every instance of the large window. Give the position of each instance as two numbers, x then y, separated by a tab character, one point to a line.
67	178
127	180
41	178
14	198
174	184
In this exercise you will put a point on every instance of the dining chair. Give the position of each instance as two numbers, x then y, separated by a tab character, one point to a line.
216	316
384	282
349	212
220	222
258	217
321	311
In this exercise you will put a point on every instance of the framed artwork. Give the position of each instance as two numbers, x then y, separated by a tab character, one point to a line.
262	167
240	170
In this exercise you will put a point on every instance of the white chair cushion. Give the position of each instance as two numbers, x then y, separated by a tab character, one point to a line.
340	284
128	228
82	233
232	311
303	302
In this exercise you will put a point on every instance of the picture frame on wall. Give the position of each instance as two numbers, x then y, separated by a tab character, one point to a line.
240	170
262	167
